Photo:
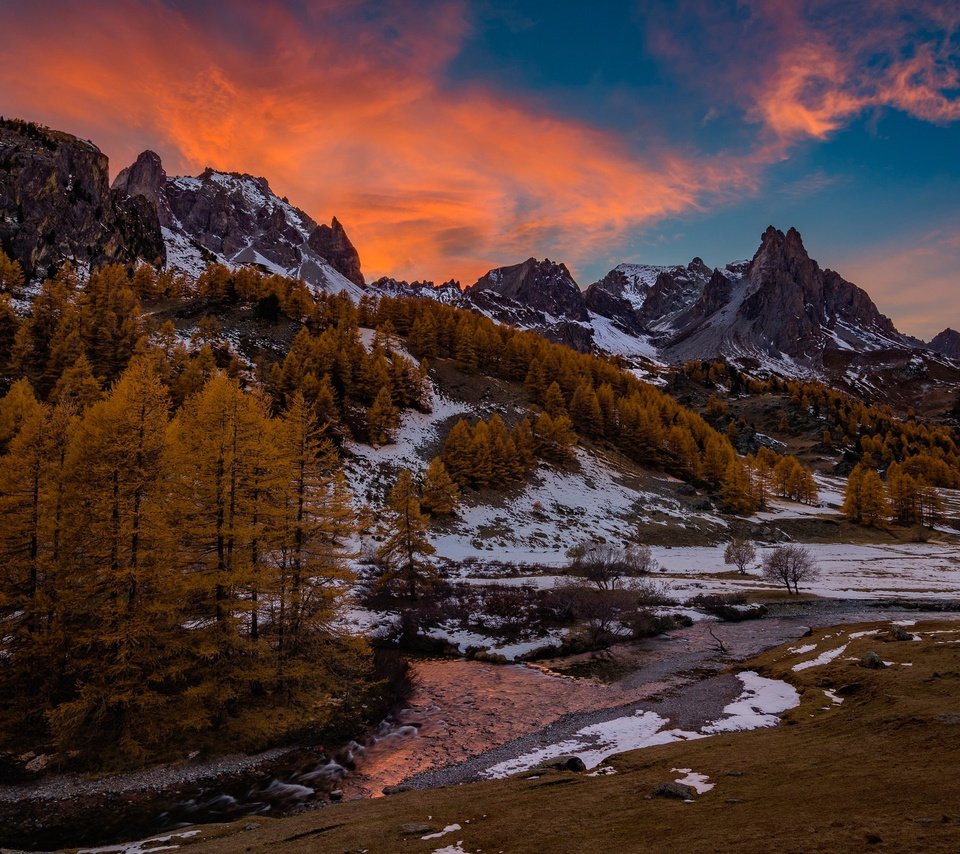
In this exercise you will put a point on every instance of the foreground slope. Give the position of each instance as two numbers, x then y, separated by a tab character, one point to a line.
865	760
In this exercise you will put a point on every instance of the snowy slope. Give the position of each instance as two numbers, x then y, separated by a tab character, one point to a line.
237	220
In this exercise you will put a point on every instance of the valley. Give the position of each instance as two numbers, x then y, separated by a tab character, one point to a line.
294	559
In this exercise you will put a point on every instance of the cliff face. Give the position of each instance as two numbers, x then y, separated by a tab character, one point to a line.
56	203
332	243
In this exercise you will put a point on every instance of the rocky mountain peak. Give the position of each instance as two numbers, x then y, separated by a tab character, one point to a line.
332	243
779	251
234	218
544	285
946	342
146	177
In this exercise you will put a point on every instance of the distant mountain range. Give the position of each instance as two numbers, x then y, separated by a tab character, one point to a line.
778	312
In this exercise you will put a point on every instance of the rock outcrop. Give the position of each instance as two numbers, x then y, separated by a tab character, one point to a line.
332	243
146	177
56	204
946	342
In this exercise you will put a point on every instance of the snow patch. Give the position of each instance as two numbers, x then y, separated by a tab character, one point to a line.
696	781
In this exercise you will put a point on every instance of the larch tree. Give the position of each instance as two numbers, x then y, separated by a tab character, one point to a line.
405	549
735	489
211	465
119	551
441	497
315	527
864	499
383	417
30	483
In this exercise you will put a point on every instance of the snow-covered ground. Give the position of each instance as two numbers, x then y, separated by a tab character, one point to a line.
912	570
758	705
560	509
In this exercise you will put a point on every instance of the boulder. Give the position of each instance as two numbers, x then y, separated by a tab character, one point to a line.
677	791
563	763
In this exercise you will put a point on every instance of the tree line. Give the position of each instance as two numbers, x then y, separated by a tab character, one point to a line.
872	435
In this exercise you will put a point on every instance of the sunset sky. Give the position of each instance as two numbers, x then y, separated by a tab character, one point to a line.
453	137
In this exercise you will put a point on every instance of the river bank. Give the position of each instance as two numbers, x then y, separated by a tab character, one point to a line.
463	717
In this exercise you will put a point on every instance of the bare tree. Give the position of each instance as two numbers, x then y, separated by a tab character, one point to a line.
740	552
606	566
790	565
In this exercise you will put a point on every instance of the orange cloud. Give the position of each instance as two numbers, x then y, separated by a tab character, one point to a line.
805	70
350	117
827	68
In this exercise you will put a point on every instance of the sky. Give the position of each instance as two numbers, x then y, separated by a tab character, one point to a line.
452	137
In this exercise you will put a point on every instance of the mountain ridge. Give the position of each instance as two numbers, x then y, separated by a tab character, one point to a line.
778	312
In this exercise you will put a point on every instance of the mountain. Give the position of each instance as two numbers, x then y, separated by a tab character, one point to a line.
537	295
644	297
778	312
784	307
236	219
946	342
56	203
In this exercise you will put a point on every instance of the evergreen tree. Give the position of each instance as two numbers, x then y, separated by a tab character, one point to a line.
863	500
736	489
383	418
11	275
122	633
317	522
78	385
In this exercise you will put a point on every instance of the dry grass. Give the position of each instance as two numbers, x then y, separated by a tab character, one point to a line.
878	772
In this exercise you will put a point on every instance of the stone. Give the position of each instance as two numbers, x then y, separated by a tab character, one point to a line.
872	661
396	790
677	791
563	763
336	795
41	762
898	633
417	829
847	690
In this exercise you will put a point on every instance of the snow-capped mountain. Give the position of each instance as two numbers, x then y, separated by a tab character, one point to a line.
645	297
236	219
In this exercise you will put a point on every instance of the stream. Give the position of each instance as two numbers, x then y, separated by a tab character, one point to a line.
464	717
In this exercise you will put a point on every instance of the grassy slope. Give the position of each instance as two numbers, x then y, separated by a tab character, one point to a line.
878	772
